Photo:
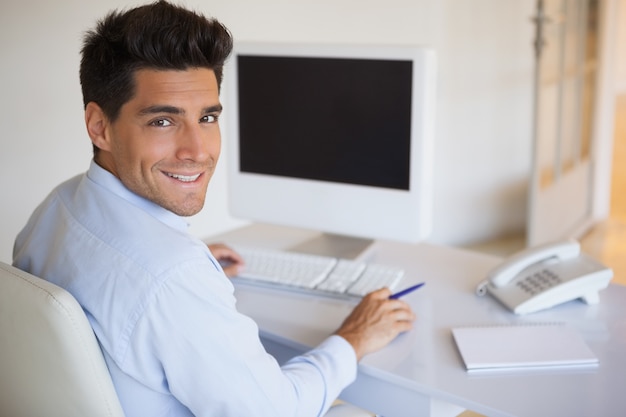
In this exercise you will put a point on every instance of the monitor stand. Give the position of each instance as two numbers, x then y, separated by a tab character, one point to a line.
337	246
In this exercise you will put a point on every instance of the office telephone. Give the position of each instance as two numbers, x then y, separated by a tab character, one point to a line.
544	276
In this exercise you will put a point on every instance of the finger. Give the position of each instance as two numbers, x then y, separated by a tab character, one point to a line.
404	315
399	305
402	326
232	270
222	251
381	293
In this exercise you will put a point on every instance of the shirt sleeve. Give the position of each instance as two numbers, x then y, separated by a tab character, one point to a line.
192	342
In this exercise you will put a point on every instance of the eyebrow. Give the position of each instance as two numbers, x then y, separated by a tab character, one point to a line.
157	109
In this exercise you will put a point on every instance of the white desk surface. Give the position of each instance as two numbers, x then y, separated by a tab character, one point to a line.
424	363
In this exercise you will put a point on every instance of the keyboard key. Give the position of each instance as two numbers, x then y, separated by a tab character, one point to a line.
376	277
342	276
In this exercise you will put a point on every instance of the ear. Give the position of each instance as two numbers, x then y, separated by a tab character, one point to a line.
97	123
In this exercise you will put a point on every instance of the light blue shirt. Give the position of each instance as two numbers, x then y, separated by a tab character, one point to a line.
164	312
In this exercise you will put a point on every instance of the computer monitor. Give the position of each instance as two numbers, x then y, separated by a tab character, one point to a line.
335	138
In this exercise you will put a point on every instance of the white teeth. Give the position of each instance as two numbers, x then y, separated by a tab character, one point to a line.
184	178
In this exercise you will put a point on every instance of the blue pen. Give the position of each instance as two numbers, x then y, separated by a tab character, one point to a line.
405	291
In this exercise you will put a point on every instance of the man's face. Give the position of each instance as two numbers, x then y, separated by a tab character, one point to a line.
165	144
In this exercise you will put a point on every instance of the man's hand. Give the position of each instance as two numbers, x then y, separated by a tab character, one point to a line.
375	322
230	260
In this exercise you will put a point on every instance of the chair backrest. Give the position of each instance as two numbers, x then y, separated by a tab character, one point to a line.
50	361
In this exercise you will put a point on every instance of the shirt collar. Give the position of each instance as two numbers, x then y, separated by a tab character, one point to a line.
105	179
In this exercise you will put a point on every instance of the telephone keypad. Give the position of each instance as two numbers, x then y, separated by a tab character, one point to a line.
539	281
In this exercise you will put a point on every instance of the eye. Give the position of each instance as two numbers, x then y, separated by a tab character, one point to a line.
209	118
160	123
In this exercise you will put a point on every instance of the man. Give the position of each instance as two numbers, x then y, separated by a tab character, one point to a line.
158	300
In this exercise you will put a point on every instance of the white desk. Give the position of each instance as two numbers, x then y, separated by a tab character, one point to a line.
423	364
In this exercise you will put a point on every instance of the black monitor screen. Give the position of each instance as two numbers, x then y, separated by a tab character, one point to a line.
328	119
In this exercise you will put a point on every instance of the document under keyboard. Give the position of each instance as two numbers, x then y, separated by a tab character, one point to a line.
316	274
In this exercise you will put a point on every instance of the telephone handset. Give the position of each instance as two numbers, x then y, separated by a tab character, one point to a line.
544	276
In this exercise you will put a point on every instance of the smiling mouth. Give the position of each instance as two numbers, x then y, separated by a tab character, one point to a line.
183	178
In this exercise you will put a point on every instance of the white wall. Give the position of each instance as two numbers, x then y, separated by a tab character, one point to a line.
483	111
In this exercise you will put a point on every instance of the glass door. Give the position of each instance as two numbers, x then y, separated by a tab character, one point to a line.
566	47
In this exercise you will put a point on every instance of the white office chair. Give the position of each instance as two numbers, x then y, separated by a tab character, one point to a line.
50	361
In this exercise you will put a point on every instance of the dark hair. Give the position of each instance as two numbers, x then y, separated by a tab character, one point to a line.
159	36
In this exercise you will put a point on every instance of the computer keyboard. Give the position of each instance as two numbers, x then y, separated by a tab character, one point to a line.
318	275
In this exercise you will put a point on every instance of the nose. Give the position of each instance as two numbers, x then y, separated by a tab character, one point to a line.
198	143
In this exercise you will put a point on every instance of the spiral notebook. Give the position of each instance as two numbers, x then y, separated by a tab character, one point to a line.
532	346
